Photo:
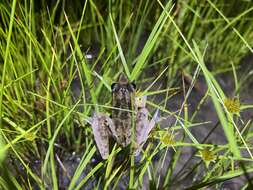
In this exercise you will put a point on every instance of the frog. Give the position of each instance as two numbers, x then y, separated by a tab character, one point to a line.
127	108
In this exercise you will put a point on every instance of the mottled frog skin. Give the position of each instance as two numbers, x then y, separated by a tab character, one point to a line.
126	109
123	93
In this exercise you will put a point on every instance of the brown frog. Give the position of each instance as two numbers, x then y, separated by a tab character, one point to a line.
127	108
123	93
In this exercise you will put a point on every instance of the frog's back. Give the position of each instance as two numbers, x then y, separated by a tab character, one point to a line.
122	98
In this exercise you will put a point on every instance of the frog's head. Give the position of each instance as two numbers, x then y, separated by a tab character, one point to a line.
122	79
124	83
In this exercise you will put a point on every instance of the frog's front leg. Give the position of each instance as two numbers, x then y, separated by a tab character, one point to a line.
101	124
143	125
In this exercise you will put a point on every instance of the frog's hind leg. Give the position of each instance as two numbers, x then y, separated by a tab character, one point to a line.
100	126
151	124
144	127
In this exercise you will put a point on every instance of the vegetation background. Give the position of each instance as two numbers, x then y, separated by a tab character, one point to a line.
192	58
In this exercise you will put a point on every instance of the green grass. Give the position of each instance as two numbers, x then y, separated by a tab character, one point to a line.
50	88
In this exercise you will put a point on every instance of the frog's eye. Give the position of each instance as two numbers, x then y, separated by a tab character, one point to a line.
133	85
114	87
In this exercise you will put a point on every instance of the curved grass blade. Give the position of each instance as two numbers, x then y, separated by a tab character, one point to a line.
152	39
